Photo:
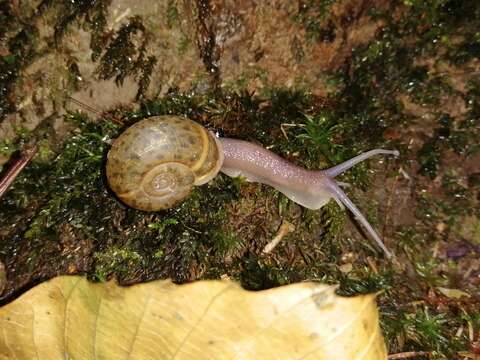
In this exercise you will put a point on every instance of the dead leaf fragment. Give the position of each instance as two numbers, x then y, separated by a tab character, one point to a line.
68	317
453	293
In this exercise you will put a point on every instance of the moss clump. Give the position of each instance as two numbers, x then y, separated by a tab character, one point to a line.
424	328
21	36
20	43
120	260
313	15
126	55
92	12
444	138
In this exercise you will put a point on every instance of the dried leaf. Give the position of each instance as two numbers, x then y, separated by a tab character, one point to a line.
70	318
453	293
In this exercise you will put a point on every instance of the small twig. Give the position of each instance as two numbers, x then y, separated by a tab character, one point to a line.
15	169
284	229
94	111
190	228
408	354
284	126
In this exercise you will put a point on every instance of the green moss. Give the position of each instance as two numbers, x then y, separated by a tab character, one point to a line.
21	36
426	329
364	281
172	103
224	242
313	16
410	240
436	21
126	55
183	45
320	131
7	147
424	89
20	44
93	12
161	225
462	141
260	274
427	270
172	13
116	260
66	180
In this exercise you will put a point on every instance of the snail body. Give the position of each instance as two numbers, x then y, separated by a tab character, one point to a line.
155	163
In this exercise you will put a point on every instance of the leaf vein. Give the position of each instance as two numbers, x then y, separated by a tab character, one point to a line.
204	314
145	305
65	316
342	329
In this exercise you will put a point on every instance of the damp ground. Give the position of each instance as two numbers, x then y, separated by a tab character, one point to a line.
317	82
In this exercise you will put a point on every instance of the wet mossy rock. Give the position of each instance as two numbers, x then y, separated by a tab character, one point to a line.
68	317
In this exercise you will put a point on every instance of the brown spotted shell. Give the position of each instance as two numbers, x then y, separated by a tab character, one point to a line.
154	164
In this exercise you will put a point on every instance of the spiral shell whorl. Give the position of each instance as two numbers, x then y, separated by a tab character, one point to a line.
154	164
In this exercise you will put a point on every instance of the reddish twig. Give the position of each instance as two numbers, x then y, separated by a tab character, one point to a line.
15	169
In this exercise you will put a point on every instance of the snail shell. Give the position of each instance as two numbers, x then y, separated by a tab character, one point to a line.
155	163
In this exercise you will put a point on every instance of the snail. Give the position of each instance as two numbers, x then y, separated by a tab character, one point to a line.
155	163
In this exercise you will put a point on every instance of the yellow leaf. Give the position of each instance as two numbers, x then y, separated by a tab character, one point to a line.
70	318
